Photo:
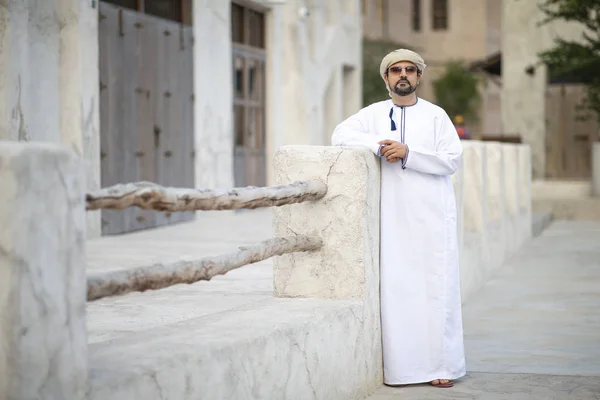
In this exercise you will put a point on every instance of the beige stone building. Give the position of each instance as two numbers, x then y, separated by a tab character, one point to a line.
498	40
539	106
443	30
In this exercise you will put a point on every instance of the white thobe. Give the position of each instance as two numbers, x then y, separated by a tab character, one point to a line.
420	289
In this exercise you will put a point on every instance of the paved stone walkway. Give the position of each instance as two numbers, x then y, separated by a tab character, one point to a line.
533	332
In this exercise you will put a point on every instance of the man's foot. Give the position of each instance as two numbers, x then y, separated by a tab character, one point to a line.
443	383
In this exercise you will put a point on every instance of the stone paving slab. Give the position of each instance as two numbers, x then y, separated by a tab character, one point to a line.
489	386
533	331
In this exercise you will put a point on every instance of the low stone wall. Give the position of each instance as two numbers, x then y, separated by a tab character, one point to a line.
493	188
318	338
43	341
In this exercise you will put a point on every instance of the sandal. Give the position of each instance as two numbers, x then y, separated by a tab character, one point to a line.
448	384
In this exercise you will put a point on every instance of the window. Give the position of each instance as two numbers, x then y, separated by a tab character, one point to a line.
440	15
248	35
173	10
167	9
247	26
416	15
132	4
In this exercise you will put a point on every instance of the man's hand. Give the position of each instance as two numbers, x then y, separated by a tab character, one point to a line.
393	151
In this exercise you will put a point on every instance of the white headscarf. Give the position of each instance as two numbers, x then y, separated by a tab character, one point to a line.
397	56
401	55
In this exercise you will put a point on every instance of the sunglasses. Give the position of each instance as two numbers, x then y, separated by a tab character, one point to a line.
411	69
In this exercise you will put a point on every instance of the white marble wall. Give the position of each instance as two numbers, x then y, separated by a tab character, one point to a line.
314	71
213	94
43	343
347	267
496	193
49	79
90	105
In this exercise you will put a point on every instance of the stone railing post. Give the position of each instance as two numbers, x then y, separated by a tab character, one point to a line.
347	219
524	222
475	257
43	343
511	196
494	200
596	169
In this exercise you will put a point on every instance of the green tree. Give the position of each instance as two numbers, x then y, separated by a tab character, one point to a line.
457	92
579	60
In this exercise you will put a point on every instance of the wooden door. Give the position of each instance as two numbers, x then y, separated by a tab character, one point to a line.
248	95
146	109
569	133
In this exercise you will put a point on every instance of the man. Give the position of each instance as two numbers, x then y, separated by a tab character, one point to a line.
420	290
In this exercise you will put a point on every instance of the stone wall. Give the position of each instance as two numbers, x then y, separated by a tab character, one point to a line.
495	193
319	337
43	343
313	78
314	55
49	79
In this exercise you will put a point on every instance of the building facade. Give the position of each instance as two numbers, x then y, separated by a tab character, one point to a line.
186	93
442	31
543	109
499	40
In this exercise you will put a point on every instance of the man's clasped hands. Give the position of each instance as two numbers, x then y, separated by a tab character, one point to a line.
393	151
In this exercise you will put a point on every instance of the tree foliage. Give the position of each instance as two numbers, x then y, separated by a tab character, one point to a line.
576	59
456	91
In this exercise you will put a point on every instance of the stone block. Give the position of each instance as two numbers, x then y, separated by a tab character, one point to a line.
474	190
347	219
283	349
524	222
494	181
494	200
511	192
43	344
474	257
595	169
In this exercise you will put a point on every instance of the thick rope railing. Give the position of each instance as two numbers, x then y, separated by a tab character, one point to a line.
150	196
161	276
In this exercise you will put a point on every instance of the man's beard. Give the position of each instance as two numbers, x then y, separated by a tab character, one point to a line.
404	90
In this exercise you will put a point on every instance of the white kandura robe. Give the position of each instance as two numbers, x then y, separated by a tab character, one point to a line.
420	289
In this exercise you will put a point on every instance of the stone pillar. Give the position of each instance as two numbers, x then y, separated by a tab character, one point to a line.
43	344
596	169
90	103
347	219
494	200
49	88
213	97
